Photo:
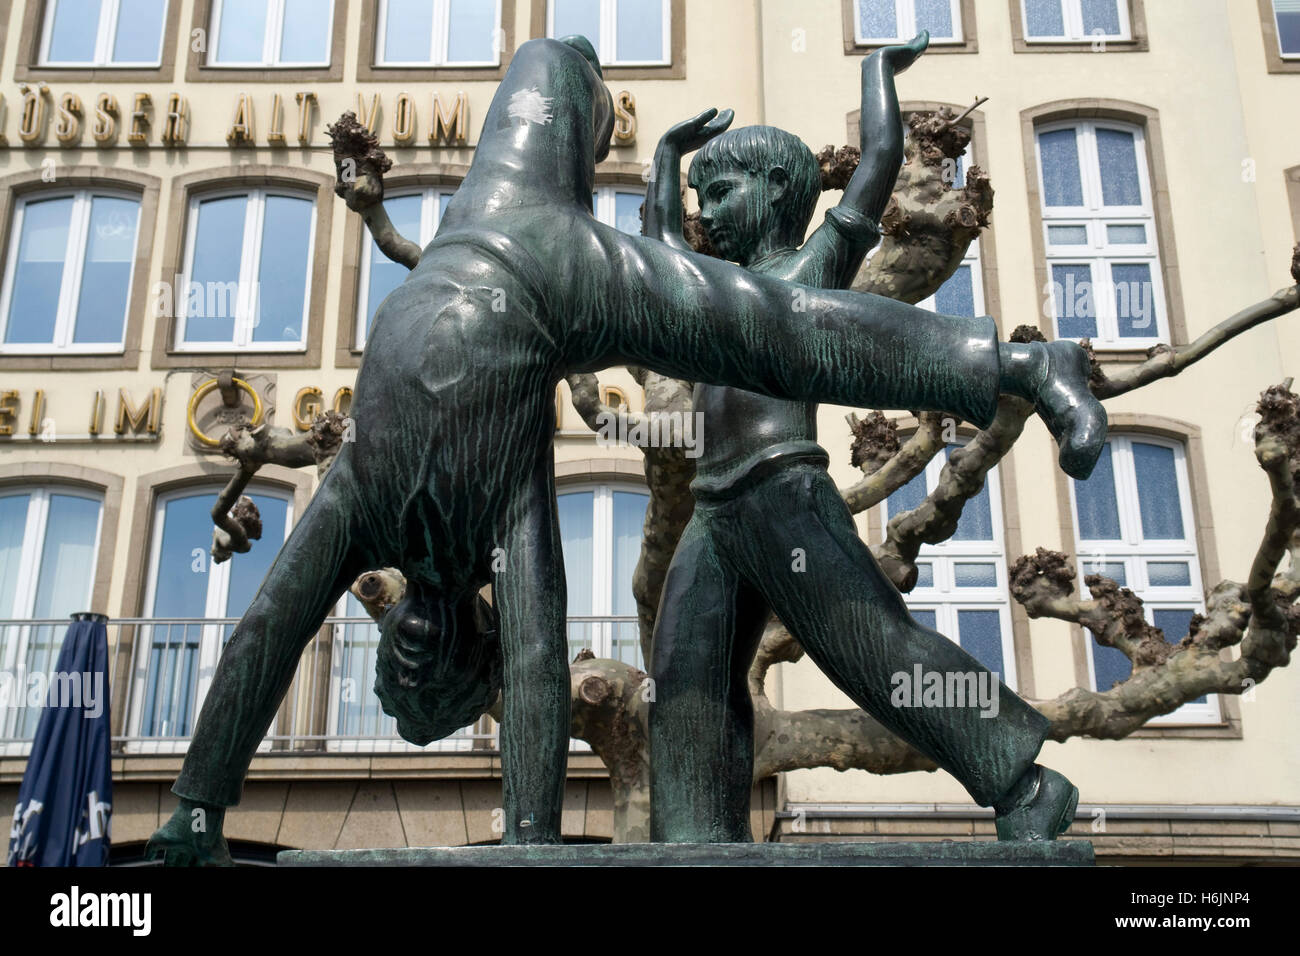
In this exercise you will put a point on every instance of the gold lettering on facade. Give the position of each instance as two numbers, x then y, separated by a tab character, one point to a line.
38	409
275	130
67	128
404	120
241	127
368	118
31	125
176	126
8	411
138	134
105	129
97	413
450	127
342	396
130	418
613	396
624	118
307	404
305	100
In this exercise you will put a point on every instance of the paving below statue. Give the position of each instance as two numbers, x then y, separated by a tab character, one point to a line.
937	853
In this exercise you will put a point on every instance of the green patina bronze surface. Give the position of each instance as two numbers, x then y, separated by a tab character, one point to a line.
450	476
942	853
770	531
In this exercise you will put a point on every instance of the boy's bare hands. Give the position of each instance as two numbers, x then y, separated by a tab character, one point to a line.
900	57
695	132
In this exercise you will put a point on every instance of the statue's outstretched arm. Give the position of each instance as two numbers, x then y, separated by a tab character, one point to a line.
881	128
835	251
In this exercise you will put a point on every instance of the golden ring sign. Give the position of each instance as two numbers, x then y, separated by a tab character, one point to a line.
203	390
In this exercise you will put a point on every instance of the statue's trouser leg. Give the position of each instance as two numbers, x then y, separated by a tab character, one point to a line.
855	626
255	670
701	720
529	591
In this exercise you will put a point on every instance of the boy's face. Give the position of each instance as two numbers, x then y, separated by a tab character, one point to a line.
737	210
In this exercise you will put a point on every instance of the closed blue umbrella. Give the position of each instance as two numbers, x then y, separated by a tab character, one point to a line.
64	804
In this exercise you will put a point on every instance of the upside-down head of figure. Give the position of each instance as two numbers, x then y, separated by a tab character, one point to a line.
438	667
757	186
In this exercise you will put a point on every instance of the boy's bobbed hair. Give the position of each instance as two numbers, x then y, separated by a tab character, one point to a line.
757	149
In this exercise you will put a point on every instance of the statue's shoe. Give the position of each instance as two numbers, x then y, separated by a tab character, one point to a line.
1044	813
1069	409
175	845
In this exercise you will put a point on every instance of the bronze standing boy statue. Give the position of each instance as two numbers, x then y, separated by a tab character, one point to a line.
763	494
452	462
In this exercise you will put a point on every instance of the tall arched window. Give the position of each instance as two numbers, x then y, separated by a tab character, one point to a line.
103	33
67	281
622	32
601	526
176	657
897	21
49	540
961	588
1134	524
271	33
1063	21
1103	261
247	270
438	33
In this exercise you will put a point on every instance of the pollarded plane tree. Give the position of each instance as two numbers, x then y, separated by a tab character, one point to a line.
1249	627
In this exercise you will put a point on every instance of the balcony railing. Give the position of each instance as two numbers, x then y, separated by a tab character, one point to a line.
160	670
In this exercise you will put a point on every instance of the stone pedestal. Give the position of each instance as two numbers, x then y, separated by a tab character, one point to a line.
939	853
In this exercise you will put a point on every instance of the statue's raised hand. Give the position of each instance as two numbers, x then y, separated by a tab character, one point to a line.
899	57
695	132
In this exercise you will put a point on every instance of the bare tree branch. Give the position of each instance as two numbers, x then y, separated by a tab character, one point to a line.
237	521
905	463
1166	362
360	165
379	590
962	478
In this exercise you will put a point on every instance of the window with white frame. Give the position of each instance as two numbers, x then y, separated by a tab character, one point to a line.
963	291
68	277
49	540
271	33
416	216
247	271
897	21
961	585
1075	21
1134	525
103	33
623	32
176	658
600	526
1103	263
1286	14
439	33
619	206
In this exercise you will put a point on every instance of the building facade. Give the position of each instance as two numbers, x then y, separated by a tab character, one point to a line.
175	259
